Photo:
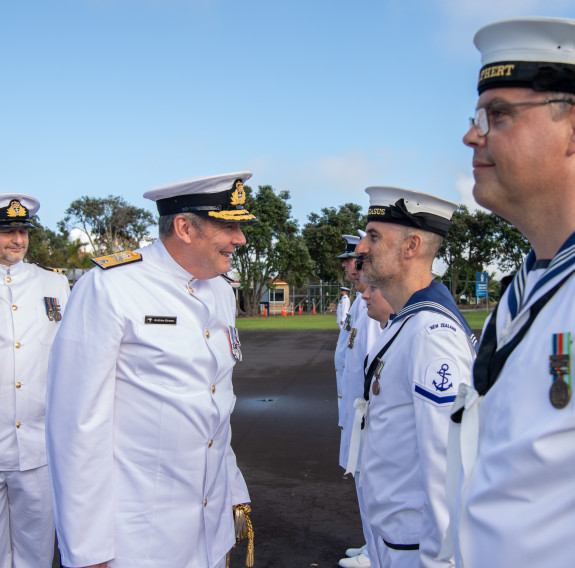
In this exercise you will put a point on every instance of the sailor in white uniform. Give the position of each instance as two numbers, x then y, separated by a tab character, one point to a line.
140	393
351	275
343	306
414	370
516	505
363	335
32	302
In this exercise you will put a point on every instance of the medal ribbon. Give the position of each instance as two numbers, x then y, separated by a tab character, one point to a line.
560	365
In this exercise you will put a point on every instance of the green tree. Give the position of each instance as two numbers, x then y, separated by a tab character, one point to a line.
110	224
323	237
274	249
511	246
77	259
469	246
45	246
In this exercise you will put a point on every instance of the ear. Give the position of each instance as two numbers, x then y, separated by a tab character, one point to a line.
183	229
571	142
412	245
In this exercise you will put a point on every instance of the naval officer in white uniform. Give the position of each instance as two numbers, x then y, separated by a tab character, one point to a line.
32	301
518	427
343	306
414	369
140	393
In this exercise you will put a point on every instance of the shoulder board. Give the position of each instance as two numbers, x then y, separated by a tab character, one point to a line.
117	259
227	278
57	270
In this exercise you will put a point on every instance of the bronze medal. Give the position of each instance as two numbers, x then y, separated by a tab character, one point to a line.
57	316
559	393
375	387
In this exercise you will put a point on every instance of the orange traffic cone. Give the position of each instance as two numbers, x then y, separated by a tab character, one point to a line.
299	310
313	311
292	311
265	310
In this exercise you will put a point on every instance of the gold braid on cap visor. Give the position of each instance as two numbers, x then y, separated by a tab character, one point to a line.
232	215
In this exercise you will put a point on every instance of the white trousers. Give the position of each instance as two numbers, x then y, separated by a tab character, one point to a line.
26	519
370	549
391	558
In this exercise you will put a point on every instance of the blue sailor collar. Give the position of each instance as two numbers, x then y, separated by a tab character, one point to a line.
435	298
562	263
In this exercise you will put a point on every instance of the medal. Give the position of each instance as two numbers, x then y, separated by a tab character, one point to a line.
52	309
235	342
560	370
347	323
559	394
375	384
351	339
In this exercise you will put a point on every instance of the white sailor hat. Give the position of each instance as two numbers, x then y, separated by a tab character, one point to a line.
538	53
344	289
351	241
410	208
16	210
220	197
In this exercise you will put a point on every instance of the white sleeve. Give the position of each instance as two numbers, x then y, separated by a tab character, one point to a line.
80	423
444	359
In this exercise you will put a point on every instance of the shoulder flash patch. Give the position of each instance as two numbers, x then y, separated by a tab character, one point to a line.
117	259
57	270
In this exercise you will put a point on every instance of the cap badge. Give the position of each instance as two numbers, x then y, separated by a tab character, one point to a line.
238	193
16	209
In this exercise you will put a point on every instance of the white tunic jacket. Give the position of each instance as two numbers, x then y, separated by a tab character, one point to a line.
138	418
365	331
340	350
404	453
26	334
342	309
519	498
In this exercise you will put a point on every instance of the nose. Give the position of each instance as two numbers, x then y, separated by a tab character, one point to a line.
239	238
361	247
366	294
472	139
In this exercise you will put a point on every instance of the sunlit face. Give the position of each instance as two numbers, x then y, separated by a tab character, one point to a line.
381	254
13	245
518	163
214	246
378	307
350	271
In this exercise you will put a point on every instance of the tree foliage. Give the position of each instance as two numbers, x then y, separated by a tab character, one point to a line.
323	237
45	246
110	224
274	248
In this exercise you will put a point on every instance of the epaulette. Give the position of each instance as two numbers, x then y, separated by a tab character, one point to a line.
227	278
117	259
57	270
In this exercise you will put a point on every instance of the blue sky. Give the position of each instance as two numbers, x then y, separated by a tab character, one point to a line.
320	98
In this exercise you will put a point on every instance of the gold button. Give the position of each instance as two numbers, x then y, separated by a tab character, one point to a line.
205	502
191	289
213	389
210	443
8	279
17	345
18	385
18	424
14	308
339	396
207	334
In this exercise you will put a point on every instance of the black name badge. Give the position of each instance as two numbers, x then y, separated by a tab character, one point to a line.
160	320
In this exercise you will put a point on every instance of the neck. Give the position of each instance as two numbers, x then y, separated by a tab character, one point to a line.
405	289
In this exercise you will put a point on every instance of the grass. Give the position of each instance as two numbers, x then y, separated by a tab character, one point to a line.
326	321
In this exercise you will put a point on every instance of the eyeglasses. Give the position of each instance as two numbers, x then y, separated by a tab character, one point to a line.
481	119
